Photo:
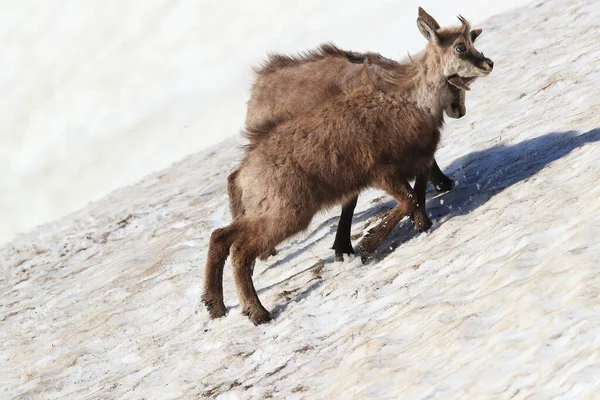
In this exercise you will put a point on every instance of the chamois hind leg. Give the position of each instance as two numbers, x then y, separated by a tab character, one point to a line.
218	250
420	219
236	205
234	191
440	182
342	243
258	236
243	256
406	198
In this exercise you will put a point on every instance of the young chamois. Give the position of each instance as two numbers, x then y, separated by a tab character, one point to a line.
353	140
288	86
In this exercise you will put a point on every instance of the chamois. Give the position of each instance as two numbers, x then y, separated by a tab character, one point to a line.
351	141
287	86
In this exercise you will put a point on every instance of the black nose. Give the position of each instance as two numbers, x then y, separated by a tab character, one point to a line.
490	63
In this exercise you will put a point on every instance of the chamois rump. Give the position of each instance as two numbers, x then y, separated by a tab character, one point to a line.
351	141
287	86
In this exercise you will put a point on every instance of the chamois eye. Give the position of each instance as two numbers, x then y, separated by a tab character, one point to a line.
461	48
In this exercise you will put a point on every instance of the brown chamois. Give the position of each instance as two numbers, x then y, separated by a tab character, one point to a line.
287	86
351	141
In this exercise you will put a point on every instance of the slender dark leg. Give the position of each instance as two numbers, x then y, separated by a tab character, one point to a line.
420	219
342	243
440	182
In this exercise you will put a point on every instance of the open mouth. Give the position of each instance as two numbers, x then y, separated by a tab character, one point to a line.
460	82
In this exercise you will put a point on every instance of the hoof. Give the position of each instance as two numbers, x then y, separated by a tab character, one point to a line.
340	250
216	309
258	316
443	184
364	255
421	221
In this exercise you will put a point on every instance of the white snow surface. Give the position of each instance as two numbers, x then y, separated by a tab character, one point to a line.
500	300
98	94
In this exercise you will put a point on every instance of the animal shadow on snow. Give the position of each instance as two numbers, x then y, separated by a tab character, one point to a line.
483	174
480	176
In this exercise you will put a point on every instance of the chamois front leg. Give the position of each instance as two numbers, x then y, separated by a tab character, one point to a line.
407	203
420	219
440	182
342	243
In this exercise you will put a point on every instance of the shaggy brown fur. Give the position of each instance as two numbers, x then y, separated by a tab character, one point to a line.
351	141
287	86
276	62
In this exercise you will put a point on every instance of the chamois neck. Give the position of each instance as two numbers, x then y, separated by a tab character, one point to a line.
419	80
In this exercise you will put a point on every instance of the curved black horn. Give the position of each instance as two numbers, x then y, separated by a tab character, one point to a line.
466	25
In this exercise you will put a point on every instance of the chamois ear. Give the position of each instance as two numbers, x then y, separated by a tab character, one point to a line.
428	27
475	34
429	19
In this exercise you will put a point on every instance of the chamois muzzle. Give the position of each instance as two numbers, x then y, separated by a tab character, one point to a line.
486	65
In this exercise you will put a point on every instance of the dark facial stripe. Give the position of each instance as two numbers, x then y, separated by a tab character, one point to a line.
474	57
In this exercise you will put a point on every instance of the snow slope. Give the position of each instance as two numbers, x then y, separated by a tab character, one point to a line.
500	300
97	94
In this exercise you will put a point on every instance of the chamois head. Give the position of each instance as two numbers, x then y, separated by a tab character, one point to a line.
454	49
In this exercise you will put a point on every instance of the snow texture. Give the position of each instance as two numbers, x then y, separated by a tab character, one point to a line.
98	94
499	300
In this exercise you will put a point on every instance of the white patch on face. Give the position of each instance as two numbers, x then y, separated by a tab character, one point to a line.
462	68
451	67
